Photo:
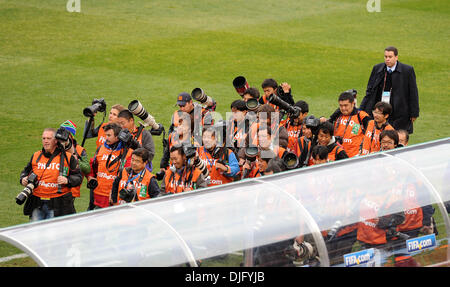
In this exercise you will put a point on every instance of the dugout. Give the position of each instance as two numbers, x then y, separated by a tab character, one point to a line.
254	221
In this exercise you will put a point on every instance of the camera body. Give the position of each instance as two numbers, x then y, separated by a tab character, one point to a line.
98	105
192	160
127	194
62	136
28	190
290	160
127	138
293	111
312	123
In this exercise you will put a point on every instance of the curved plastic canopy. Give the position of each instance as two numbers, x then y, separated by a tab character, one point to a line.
184	228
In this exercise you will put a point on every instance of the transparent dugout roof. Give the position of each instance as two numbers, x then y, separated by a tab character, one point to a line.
184	228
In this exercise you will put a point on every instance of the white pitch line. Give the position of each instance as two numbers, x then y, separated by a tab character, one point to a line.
12	257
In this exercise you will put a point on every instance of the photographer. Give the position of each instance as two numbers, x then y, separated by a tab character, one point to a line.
371	141
48	178
126	120
307	141
270	86
183	175
200	115
180	136
325	138
78	152
98	132
220	161
350	124
106	165
293	124
136	182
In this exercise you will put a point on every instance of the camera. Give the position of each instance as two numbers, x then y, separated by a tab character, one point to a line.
127	138
290	160
311	122
136	108
62	135
251	153
192	160
252	104
240	84
199	95
293	111
127	194
28	190
98	105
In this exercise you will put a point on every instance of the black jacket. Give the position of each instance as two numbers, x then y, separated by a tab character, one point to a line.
404	96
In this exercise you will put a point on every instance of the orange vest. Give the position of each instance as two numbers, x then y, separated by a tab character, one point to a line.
371	141
107	169
333	153
294	132
47	176
130	151
101	139
302	147
76	190
369	213
176	183
141	183
217	177
413	211
350	128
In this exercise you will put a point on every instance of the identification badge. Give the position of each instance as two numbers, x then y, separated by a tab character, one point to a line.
143	192
355	129
386	97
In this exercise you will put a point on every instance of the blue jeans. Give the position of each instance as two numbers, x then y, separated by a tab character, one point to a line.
42	212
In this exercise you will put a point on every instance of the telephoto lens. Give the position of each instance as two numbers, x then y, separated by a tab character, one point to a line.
28	190
290	160
136	108
252	104
98	105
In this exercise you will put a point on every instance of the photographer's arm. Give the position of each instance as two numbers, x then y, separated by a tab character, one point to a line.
153	188
115	189
25	172
148	144
233	166
75	177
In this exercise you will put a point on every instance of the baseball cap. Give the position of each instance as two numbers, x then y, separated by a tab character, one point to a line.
183	98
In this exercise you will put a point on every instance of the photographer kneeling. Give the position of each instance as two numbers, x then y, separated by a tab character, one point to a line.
48	179
136	182
184	174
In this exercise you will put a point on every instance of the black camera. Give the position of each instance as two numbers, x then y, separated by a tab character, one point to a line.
92	184
62	135
290	160
127	138
193	160
98	105
28	190
252	104
127	194
311	122
293	111
250	153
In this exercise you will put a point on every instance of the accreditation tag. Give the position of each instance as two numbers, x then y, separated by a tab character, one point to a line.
386	96
355	129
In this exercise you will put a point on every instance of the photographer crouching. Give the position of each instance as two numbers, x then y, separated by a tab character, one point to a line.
48	178
136	182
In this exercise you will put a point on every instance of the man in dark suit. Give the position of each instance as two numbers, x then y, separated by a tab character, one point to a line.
395	83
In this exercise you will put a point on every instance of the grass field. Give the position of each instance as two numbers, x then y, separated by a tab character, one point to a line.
53	63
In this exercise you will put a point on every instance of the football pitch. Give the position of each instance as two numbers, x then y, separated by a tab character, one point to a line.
55	62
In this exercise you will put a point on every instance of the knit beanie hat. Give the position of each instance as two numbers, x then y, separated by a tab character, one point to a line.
70	127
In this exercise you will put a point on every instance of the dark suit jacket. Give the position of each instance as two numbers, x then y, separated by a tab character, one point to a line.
404	96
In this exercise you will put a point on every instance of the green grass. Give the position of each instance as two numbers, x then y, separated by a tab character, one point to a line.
53	63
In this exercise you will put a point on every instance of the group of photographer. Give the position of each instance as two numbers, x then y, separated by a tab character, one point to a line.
264	134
